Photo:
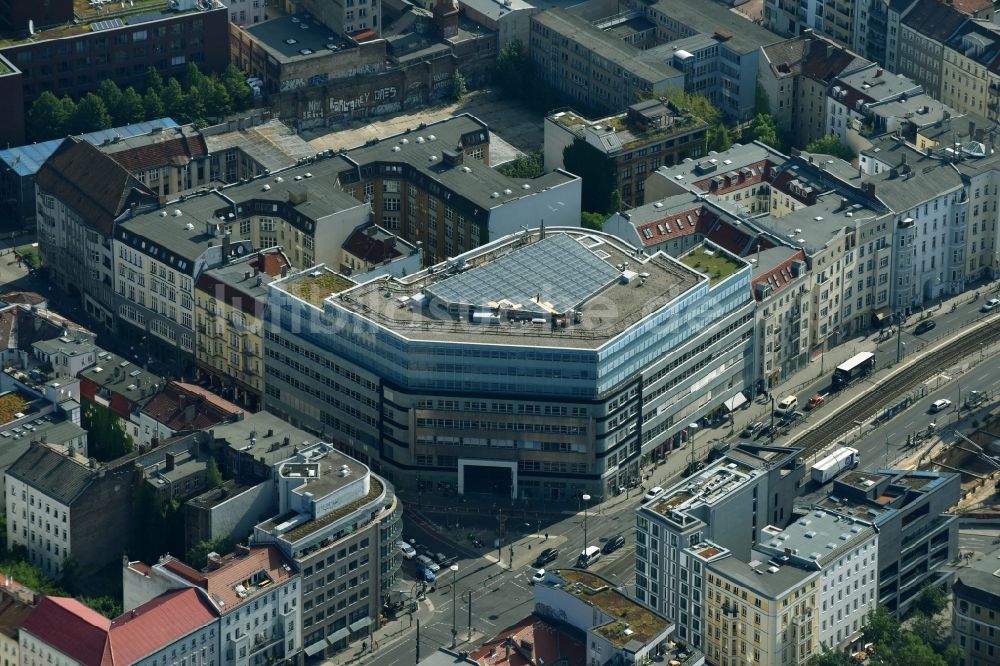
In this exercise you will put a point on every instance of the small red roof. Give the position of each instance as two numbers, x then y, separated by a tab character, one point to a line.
550	645
71	628
158	622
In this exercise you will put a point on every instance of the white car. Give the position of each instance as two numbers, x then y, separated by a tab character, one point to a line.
990	305
409	552
940	405
652	493
538	577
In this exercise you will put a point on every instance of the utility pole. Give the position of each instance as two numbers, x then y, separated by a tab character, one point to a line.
470	614
418	642
499	535
899	338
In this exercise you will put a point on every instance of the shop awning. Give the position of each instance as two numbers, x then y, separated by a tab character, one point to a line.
735	402
360	624
315	648
339	635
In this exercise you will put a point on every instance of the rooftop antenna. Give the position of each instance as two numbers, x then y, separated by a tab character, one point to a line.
542	230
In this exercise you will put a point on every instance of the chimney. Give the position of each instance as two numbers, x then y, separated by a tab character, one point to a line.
169	462
869	189
452	157
284	271
241	550
972	129
92	462
225	247
214	561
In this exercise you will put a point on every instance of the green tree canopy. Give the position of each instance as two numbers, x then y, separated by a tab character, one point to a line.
236	86
197	557
459	89
218	103
524	166
515	69
830	658
763	129
213	477
831	145
130	109
110	94
48	118
598	173
106	438
882	628
154	81
593	221
174	101
91	115
153	105
931	600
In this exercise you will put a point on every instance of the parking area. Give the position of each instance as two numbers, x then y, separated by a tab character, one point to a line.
508	119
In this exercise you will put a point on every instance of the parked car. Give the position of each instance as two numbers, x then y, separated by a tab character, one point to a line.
815	401
547	555
613	544
408	551
652	493
425	574
940	405
427	562
752	429
538	577
990	305
974	398
924	326
770	431
440	558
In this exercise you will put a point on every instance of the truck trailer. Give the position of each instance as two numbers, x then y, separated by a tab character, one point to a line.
830	466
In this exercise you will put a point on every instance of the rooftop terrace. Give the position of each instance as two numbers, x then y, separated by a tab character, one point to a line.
556	306
633	622
714	262
707	487
631	132
316	285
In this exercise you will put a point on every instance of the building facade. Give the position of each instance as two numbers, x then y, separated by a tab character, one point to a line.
974	614
553	440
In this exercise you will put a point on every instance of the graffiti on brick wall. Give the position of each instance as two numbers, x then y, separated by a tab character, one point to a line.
380	100
292	84
359	70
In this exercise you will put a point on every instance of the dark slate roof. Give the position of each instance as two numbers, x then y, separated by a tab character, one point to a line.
372	244
52	473
91	183
173	147
934	19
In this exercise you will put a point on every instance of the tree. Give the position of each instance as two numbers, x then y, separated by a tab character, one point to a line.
91	115
194	104
218	104
154	81
130	109
213	477
193	77
174	102
931	600
761	104
514	68
197	557
593	221
763	129
236	86
718	137
153	106
882	628
524	166
110	94
106	606
48	118
106	437
597	171
929	629
830	658
831	145
458	87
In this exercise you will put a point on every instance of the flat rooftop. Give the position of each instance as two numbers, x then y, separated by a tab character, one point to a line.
119	375
884	86
813	227
315	285
713	261
632	622
263	436
409	308
707	487
736	31
304	529
294	38
757	576
628	134
817	538
98	16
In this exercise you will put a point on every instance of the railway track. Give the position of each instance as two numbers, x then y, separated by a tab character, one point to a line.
886	392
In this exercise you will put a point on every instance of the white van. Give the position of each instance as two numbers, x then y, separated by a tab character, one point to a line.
589	555
788	404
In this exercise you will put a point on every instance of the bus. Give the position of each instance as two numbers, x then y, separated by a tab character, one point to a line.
858	365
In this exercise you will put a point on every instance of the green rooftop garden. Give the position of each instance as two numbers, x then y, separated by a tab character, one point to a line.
314	289
633	622
716	264
304	530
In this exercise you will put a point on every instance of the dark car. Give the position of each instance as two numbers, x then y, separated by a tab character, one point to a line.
752	429
770	431
547	555
613	544
924	326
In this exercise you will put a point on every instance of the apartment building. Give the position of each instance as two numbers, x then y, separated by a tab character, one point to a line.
229	323
974	605
814	204
916	538
158	256
715	48
73	50
836	21
969	80
854	95
923	31
585	432
255	593
347	17
845	552
648	135
595	69
81	195
176	625
339	524
931	212
796	75
761	614
712	513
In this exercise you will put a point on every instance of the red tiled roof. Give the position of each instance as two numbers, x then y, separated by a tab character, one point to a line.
270	263
176	151
12	614
778	277
735	240
549	643
761	172
179	407
783	184
235	569
156	623
675	225
71	628
25	297
91	183
141	567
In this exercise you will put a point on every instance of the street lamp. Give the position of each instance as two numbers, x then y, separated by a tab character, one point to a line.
586	499
454	627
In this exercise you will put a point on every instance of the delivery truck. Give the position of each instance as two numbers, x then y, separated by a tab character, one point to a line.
830	466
